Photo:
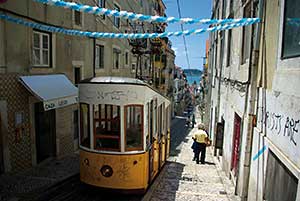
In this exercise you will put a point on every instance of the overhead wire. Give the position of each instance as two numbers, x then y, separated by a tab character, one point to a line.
184	40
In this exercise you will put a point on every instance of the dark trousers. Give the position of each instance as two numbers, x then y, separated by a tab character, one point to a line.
202	149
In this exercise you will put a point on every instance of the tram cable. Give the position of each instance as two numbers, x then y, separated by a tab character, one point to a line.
184	40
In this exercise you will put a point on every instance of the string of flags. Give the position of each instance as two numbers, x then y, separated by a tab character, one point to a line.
124	35
139	17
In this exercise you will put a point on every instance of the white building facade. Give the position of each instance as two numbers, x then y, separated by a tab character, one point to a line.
254	105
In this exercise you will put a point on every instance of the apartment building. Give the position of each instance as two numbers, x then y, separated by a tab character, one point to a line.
254	103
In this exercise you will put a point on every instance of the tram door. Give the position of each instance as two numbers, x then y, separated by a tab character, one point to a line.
159	136
151	148
166	130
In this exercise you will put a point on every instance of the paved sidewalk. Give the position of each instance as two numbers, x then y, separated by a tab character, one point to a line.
35	180
182	179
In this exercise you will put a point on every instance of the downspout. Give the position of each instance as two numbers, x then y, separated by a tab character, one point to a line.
252	99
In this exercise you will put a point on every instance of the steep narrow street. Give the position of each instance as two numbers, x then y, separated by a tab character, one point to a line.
183	179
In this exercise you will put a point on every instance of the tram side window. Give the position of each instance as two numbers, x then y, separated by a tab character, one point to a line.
84	125
134	127
107	127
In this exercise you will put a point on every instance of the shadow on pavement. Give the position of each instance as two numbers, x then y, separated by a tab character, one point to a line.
209	163
169	183
179	133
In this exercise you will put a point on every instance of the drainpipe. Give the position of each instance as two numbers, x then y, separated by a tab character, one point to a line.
252	98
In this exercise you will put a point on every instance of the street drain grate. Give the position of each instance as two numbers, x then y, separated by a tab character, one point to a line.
223	192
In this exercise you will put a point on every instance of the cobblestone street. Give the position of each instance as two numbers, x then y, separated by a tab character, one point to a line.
182	179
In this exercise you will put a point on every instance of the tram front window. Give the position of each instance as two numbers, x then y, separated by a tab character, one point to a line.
134	128
107	127
84	125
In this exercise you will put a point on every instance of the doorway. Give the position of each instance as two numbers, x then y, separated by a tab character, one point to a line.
44	132
236	144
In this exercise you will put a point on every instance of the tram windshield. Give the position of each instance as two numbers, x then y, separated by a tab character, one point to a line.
134	127
107	127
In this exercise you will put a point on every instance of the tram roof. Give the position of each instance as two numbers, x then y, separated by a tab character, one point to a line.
114	80
118	80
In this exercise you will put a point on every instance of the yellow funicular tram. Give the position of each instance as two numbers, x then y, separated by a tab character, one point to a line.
124	132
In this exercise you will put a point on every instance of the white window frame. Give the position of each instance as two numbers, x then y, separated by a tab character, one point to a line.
41	49
115	18
113	57
98	67
286	63
73	20
99	4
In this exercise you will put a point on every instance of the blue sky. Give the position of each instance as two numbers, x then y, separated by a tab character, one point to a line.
195	44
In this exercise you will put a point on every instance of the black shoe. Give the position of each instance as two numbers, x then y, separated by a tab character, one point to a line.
202	162
194	159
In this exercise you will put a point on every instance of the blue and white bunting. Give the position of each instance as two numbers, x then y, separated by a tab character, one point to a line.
122	35
139	17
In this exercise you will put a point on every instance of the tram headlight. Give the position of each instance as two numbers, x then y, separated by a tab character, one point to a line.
106	171
86	162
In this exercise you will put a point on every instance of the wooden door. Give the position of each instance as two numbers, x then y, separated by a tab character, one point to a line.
236	144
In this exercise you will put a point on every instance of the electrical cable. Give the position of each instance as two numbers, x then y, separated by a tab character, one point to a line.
184	40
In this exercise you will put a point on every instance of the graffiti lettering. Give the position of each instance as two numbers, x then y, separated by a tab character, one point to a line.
274	121
290	129
110	95
117	95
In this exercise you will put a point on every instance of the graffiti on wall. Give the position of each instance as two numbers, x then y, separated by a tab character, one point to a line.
283	125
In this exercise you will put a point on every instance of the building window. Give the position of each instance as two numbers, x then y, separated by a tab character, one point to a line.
164	60
84	125
146	64
291	33
116	58
229	44
157	57
126	58
134	127
99	57
246	35
107	127
231	7
77	18
77	76
101	4
41	49
116	19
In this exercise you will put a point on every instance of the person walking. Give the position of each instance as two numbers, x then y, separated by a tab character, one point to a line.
193	120
201	140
